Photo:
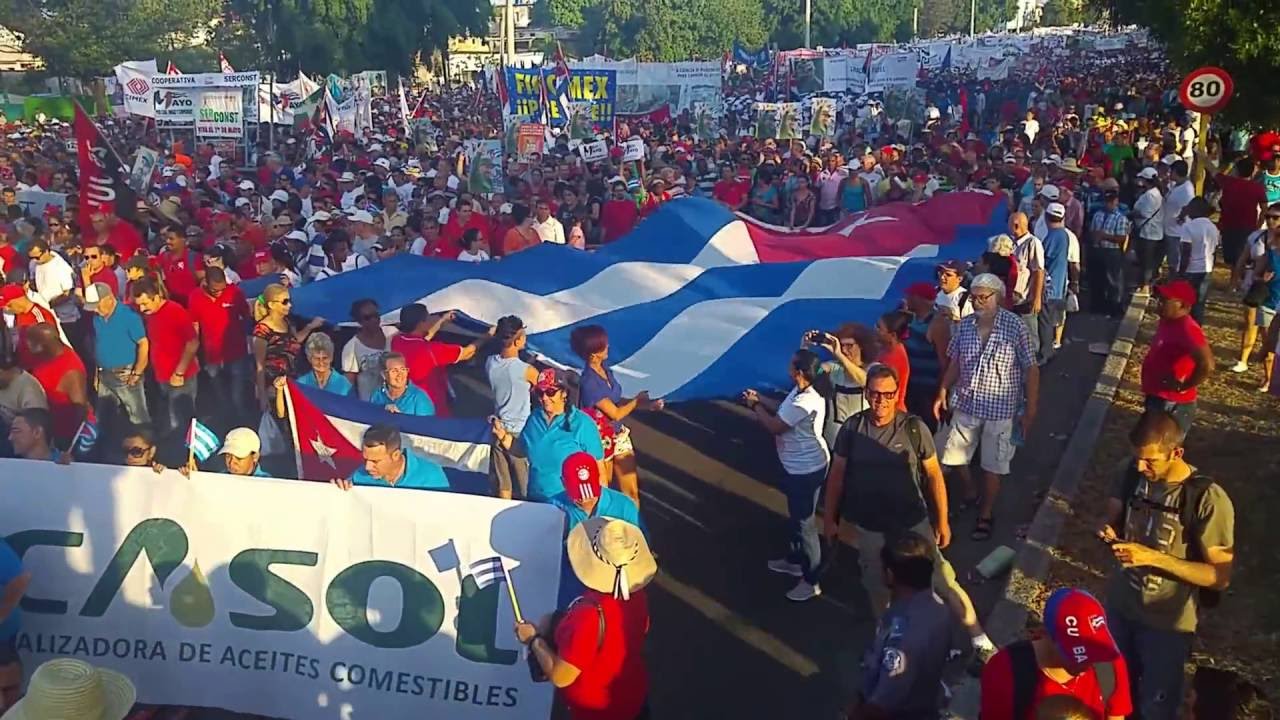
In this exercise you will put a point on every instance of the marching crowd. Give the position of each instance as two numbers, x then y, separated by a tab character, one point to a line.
127	335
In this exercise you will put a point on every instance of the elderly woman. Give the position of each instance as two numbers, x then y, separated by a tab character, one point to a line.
318	350
600	389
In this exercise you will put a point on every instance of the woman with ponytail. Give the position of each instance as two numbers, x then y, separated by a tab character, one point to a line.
277	344
891	329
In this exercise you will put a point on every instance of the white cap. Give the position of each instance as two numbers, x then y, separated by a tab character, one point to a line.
241	442
1049	192
504	209
242	202
1147	173
1170	159
375	147
1055	210
246	185
360	216
166	172
296	235
280	195
320	216
452	183
181	180
347	177
383	163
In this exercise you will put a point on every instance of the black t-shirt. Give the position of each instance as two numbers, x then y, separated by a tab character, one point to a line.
881	489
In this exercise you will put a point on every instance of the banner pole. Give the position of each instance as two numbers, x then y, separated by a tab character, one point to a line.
511	591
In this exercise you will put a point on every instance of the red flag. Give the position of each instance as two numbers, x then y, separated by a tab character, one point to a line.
104	179
172	69
502	85
222	63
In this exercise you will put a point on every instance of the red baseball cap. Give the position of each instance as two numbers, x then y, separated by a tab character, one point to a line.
551	379
11	292
1077	624
581	476
923	290
1180	290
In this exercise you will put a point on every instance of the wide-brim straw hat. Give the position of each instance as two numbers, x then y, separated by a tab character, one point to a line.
611	556
69	689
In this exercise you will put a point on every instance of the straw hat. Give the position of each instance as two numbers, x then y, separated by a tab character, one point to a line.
67	689
611	556
1070	165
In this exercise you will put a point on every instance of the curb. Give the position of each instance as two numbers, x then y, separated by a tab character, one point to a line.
1008	618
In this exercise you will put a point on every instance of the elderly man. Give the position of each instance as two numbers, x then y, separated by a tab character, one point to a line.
993	374
241	452
1148	219
122	355
387	463
1109	231
1028	287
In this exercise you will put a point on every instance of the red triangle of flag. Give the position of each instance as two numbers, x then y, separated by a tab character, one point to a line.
323	452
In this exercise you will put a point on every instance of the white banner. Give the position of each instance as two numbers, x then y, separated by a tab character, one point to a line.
647	87
899	69
175	107
201	80
133	80
281	597
593	151
33	202
221	114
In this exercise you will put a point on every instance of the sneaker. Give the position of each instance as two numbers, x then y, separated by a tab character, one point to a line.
786	567
804	591
1240	367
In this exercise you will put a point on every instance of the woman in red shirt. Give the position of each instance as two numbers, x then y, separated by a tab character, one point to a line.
891	330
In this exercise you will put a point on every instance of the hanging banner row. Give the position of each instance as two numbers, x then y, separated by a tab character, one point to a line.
216	105
592	99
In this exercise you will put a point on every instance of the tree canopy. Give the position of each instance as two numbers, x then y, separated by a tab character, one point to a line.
1237	35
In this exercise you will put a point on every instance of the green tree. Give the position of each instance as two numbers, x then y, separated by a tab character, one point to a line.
85	38
1237	35
670	30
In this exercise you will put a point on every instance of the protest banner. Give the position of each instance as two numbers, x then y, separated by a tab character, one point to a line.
133	79
175	108
592	98
531	139
593	151
193	84
672	88
822	122
282	598
633	149
706	121
484	166
896	69
144	165
33	202
221	114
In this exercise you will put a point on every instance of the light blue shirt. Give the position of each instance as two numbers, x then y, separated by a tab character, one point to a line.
117	337
10	568
419	474
548	443
511	397
413	402
338	383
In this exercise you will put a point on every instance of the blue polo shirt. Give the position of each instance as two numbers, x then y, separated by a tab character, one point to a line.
612	504
419	474
10	568
1056	244
413	402
117	337
548	443
338	383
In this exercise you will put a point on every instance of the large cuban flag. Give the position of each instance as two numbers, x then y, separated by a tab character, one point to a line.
328	433
698	302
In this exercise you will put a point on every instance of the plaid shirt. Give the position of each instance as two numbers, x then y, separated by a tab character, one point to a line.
1110	223
991	375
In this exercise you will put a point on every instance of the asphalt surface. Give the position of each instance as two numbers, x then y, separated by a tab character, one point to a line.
724	639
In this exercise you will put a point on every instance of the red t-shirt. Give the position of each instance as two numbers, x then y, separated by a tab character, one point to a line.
22	321
7	255
125	238
66	416
617	218
1171	354
452	231
730	192
997	690
169	329
896	358
1241	199
614	681
179	273
107	277
224	324
428	362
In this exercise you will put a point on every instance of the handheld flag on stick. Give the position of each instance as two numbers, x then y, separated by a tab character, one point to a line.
201	441
489	570
85	438
223	64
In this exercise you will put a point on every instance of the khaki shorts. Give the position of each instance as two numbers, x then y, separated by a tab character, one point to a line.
959	439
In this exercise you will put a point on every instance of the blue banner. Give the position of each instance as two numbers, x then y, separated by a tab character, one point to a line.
758	59
592	100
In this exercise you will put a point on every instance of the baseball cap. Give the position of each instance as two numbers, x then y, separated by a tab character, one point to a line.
280	195
551	379
360	216
1077	624
240	443
347	177
11	292
1180	290
319	216
1055	210
242	202
94	294
505	209
383	163
581	476
296	235
246	185
922	290
1147	173
1169	159
1050	192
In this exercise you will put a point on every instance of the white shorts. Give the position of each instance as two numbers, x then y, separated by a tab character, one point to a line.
960	438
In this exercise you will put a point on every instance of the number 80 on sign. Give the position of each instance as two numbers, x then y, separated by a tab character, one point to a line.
1206	90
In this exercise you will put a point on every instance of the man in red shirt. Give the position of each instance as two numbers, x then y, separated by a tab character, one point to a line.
172	341
178	264
1075	656
1243	201
107	228
429	360
222	320
618	215
1179	358
62	375
729	190
8	253
27	311
462	219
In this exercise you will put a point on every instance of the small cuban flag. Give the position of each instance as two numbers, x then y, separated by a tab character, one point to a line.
86	437
487	571
201	440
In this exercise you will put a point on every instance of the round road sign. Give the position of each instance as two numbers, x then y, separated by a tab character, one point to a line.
1206	90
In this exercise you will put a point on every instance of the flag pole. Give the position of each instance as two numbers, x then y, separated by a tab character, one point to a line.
511	591
76	438
191	444
293	426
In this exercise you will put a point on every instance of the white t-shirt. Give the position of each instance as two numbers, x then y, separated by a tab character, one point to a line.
1203	237
959	297
1073	247
550	231
801	449
56	278
1177	199
479	256
366	362
1028	251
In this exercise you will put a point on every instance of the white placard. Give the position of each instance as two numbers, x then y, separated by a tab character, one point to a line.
594	151
282	598
221	114
633	149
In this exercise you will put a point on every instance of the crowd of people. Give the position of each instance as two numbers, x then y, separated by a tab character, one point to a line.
125	335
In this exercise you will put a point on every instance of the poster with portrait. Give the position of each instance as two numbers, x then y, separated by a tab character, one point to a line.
767	119
706	121
822	117
789	120
484	166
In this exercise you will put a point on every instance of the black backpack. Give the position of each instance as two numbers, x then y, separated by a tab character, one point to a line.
1196	486
1026	676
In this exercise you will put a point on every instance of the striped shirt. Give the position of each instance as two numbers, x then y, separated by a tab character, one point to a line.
1110	222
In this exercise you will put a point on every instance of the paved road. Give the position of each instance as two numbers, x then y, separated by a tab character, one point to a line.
724	639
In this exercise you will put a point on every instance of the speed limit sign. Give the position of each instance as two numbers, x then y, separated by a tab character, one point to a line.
1206	90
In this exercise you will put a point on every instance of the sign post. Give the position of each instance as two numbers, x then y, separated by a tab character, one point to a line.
1204	91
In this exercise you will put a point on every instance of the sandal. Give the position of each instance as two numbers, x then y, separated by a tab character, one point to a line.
982	529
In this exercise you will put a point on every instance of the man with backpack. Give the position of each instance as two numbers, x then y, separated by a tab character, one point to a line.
1173	532
883	466
1074	656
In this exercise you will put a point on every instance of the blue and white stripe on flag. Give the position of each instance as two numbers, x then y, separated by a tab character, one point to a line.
487	571
86	437
201	441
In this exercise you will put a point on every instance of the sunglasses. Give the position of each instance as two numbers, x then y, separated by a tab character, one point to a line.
549	392
94	256
887	395
136	451
286	302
